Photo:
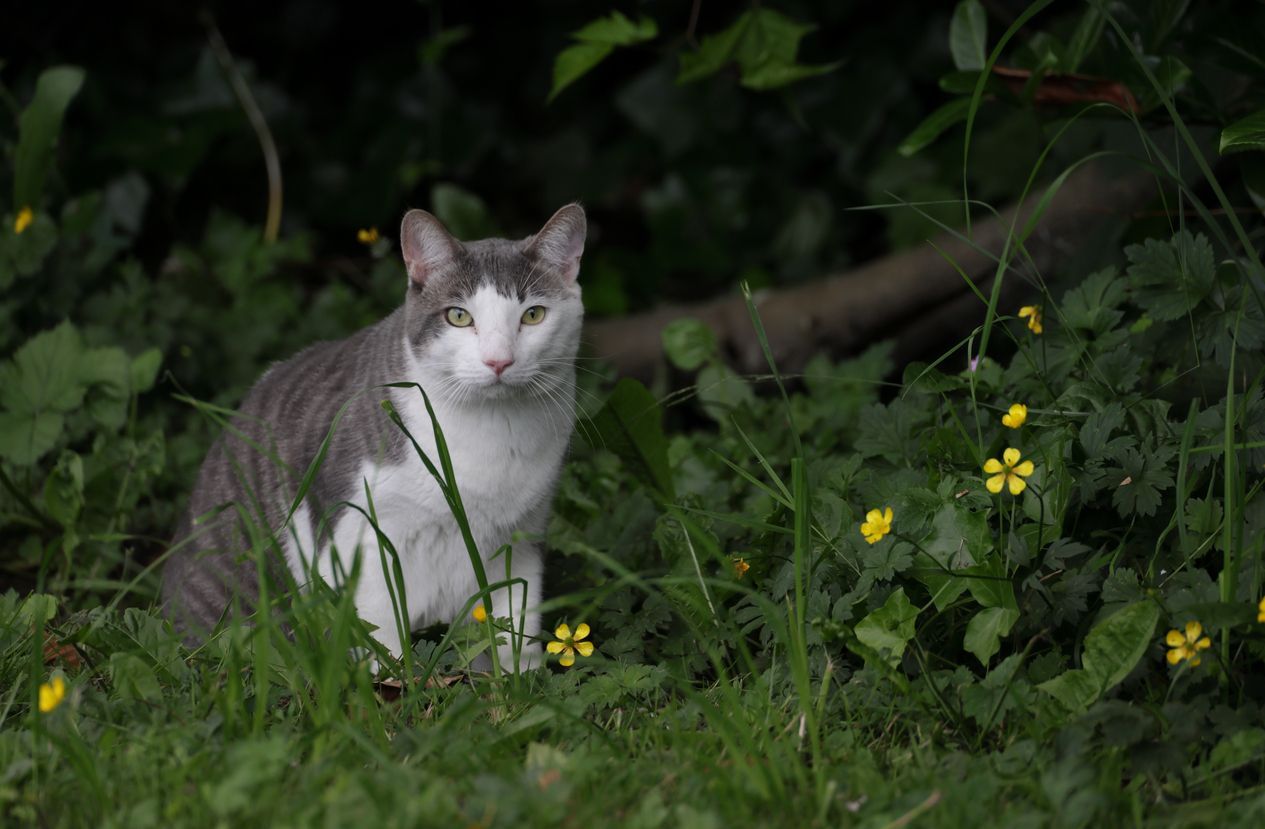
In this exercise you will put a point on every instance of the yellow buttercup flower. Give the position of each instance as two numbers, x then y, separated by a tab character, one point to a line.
569	643
741	567
1007	472
877	524
1186	646
367	235
480	614
1033	313
51	694
1016	417
1260	611
23	220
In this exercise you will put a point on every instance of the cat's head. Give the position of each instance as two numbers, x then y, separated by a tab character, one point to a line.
493	317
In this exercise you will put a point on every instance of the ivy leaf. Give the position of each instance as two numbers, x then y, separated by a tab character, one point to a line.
763	43
968	33
1139	478
1170	278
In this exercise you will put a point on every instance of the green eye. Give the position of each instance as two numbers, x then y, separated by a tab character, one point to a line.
534	315
459	317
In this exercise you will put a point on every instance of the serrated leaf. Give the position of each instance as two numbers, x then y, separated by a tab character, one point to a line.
630	425
144	370
24	438
1092	304
688	343
1170	278
968	35
1138	480
985	631
1244	134
44	373
933	125
38	128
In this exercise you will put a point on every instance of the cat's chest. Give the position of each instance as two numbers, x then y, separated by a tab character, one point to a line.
505	460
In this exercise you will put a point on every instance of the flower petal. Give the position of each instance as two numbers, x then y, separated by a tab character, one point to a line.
887	516
993	466
562	631
581	631
1194	661
555	647
1174	656
585	648
874	516
567	659
1203	644
1193	631
1007	420
995	483
1011	456
1027	310
1174	639
1016	484
1025	469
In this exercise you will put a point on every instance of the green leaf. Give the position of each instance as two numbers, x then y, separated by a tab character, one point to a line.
630	425
38	128
63	490
597	40
1170	278
1138	479
721	392
1245	134
1112	649
133	678
968	35
144	370
22	254
688	343
933	125
24	438
985	631
763	43
574	62
890	628
461	211
990	585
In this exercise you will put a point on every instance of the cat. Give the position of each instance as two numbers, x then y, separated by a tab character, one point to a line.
490	329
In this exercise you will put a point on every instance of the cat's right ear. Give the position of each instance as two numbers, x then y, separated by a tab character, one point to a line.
427	246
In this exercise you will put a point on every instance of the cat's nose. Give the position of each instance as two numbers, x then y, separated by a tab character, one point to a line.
498	366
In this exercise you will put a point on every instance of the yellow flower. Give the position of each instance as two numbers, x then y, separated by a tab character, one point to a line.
480	614
877	524
1033	313
1016	417
51	694
1007	472
23	220
1188	645
367	236
741	567
568	643
1260	611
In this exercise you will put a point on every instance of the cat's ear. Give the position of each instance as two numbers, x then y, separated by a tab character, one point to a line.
427	246
560	243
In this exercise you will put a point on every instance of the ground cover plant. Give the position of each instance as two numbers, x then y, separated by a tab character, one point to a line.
1016	582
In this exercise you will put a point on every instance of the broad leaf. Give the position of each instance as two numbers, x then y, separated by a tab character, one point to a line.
890	628
763	43
1111	651
1171	278
968	34
1245	134
37	131
985	631
688	343
630	425
597	40
933	125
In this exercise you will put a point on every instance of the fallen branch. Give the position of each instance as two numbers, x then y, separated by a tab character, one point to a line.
841	314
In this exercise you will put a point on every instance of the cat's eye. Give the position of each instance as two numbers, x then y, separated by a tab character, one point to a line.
534	315
459	317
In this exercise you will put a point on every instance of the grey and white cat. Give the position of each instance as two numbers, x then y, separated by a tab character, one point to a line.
490	329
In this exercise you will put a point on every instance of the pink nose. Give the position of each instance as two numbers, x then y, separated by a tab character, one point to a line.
498	366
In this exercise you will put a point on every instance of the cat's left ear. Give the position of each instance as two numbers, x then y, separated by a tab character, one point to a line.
427	246
560	243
